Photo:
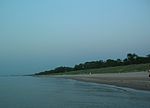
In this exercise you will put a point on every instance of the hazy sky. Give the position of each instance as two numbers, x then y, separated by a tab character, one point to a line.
36	35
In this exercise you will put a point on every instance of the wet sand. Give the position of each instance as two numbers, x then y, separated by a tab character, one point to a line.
135	80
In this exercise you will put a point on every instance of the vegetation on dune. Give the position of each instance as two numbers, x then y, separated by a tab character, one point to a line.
133	62
116	69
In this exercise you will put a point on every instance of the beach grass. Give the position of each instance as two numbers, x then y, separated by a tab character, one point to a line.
117	69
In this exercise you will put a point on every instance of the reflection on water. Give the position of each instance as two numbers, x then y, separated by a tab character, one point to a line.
43	92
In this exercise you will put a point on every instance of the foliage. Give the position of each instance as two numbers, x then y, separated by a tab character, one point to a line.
131	59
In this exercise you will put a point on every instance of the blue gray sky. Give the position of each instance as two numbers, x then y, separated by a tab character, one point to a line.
37	35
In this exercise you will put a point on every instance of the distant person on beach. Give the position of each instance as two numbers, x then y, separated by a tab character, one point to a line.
149	72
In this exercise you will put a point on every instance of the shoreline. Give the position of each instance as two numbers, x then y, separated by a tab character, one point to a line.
134	80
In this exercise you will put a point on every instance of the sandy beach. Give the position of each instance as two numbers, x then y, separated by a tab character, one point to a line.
135	80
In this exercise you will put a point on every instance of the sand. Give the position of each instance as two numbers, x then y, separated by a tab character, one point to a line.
135	80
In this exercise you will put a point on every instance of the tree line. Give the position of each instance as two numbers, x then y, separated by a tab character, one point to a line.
130	59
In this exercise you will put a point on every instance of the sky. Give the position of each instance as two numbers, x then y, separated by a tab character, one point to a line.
39	35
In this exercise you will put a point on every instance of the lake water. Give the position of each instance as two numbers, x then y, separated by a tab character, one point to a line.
44	92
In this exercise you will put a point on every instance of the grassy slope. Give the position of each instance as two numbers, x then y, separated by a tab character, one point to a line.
117	69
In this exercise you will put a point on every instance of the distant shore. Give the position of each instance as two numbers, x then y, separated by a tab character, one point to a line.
135	80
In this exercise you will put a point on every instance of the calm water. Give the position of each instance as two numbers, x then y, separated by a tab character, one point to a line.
35	92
